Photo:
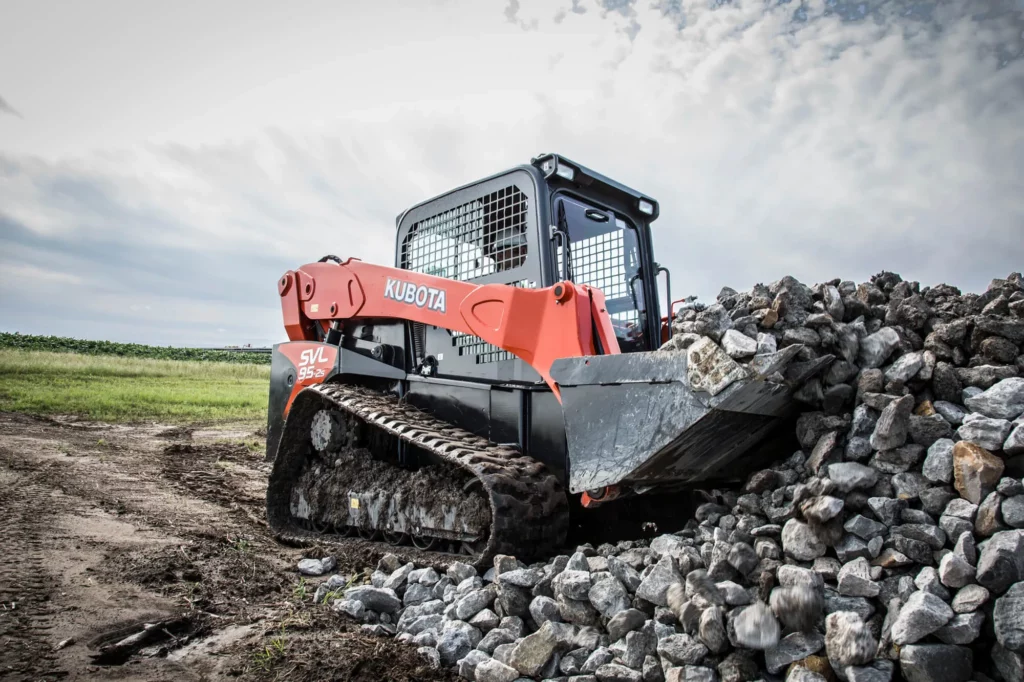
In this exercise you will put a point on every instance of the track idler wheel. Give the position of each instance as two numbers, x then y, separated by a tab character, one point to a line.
328	431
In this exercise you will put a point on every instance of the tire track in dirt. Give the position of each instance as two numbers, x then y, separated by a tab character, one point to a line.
26	652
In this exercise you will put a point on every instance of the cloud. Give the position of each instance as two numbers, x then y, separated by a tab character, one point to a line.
820	139
8	109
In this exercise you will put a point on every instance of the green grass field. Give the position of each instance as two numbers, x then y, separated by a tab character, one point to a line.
121	389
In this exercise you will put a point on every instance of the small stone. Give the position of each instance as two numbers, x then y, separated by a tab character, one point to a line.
756	627
801	542
926	429
453	645
892	427
316	567
927	580
520	577
711	630
848	640
897	461
886	509
951	412
1009	664
988	520
710	369
691	673
572	584
923	614
969	598
850	547
1014	443
880	670
936	663
624	622
954	571
976	471
865	528
909	485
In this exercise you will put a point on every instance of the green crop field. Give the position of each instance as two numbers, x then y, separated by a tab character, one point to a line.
60	344
108	388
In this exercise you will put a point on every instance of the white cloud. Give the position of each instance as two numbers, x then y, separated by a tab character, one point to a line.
816	148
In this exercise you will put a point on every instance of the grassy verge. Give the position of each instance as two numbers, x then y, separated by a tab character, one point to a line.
117	389
62	344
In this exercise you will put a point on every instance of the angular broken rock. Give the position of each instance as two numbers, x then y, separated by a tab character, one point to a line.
976	471
876	348
954	571
375	598
656	584
936	663
756	627
738	345
892	427
493	670
985	432
969	598
849	476
1005	400
923	614
848	640
801	542
534	651
1008	618
682	649
710	369
792	648
855	579
938	465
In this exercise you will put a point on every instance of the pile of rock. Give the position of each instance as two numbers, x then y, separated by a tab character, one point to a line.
890	546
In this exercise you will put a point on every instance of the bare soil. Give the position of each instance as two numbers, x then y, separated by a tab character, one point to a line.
106	528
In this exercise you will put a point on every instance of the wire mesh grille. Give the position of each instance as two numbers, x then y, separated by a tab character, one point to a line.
477	238
600	262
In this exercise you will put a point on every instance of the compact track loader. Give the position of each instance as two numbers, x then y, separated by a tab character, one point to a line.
501	381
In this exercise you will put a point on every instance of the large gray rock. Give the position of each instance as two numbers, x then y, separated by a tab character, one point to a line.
520	577
876	348
984	431
1013	511
657	582
892	427
473	603
711	630
855	579
543	609
954	571
969	598
738	345
801	542
923	614
1009	664
493	670
756	627
609	597
624	622
879	670
848	640
682	649
936	663
1008	618
849	476
951	412
938	465
865	528
710	369
534	651
377	599
1005	400
791	648
963	628
1014	443
1001	561
572	584
453	645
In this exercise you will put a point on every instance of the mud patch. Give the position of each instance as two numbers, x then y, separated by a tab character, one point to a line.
320	645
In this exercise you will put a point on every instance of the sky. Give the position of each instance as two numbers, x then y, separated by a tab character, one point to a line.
162	164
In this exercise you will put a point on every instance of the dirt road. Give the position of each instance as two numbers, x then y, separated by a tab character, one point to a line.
105	528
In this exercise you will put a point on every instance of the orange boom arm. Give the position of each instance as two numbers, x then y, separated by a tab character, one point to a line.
537	325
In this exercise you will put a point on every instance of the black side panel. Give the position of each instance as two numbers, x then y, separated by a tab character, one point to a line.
504	422
547	432
465	406
282	379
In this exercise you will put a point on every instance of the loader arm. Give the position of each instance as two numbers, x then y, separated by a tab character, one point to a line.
537	325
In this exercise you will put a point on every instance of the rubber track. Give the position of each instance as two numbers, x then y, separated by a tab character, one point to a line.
529	508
